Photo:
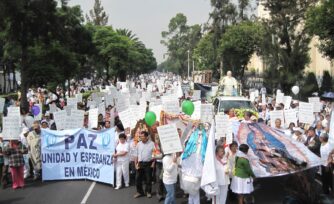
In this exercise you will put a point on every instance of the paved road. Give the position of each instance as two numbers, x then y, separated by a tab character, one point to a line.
270	190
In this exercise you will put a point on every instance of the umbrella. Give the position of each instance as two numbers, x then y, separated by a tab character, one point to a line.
329	95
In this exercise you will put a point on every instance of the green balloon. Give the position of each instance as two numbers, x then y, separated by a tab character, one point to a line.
150	118
188	107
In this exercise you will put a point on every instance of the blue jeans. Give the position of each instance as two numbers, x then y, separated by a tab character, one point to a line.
170	197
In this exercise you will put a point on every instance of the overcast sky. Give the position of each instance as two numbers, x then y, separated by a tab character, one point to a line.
148	18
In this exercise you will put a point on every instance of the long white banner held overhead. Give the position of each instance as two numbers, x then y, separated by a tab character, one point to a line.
78	154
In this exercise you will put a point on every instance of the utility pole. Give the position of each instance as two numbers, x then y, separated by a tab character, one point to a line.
188	65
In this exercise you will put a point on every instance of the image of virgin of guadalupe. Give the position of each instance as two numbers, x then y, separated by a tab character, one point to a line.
272	153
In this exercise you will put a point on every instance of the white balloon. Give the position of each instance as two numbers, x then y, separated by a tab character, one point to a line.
295	90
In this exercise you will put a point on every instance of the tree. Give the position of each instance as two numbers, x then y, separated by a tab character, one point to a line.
326	84
286	47
309	86
179	39
204	53
320	21
243	4
97	15
238	44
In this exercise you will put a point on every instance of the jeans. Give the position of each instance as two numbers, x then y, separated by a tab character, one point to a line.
170	197
158	177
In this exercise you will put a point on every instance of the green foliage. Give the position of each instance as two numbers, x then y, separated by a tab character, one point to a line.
179	39
326	84
238	44
286	45
309	86
205	53
320	21
97	16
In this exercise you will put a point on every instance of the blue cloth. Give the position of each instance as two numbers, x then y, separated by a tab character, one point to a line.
192	145
170	197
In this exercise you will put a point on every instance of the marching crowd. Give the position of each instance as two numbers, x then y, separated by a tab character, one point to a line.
143	162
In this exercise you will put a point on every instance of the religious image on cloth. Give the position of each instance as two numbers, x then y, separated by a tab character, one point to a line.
272	153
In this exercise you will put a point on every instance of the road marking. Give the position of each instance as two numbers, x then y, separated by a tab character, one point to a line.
84	200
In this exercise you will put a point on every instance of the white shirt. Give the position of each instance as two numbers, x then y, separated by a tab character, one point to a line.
222	172
324	152
170	170
144	151
123	148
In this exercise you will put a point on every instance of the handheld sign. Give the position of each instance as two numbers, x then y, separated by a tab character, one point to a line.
11	127
93	118
206	113
169	139
274	115
2	104
306	113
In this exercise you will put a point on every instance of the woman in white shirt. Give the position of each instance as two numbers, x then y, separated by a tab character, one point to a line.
222	171
122	161
169	177
326	174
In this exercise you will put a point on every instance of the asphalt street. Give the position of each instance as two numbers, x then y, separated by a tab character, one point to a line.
268	191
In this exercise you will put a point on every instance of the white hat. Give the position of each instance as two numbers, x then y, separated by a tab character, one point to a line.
298	129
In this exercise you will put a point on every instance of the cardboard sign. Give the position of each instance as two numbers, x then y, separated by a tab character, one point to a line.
60	119
306	113
276	115
2	104
169	139
78	97
93	118
290	116
223	126
317	105
206	113
11	127
279	98
171	106
53	108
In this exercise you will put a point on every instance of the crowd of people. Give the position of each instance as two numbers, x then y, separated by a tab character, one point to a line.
143	162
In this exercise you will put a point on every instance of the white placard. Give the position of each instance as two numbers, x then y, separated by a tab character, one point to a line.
169	139
264	102
331	128
78	97
223	126
197	112
287	102
2	104
171	106
52	108
11	127
72	102
290	116
157	110
93	118
123	103
317	105
279	98
127	118
276	115
306	113
109	100
196	95
252	96
77	119
102	109
206	113
14	111
60	119
96	98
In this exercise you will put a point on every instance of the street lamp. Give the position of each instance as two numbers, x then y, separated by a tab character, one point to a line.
188	65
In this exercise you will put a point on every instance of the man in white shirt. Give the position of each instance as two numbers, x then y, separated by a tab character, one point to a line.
144	164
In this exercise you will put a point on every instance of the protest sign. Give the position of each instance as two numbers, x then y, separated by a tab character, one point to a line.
223	126
11	127
78	97
93	118
76	119
128	119
197	112
123	103
39	116
317	105
72	102
306	113
88	82
290	116
14	111
206	113
252	96
102	109
2	104
171	106
109	100
78	154
287	102
60	119
169	139
196	95
331	128
279	98
53	108
276	115
157	110
264	102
